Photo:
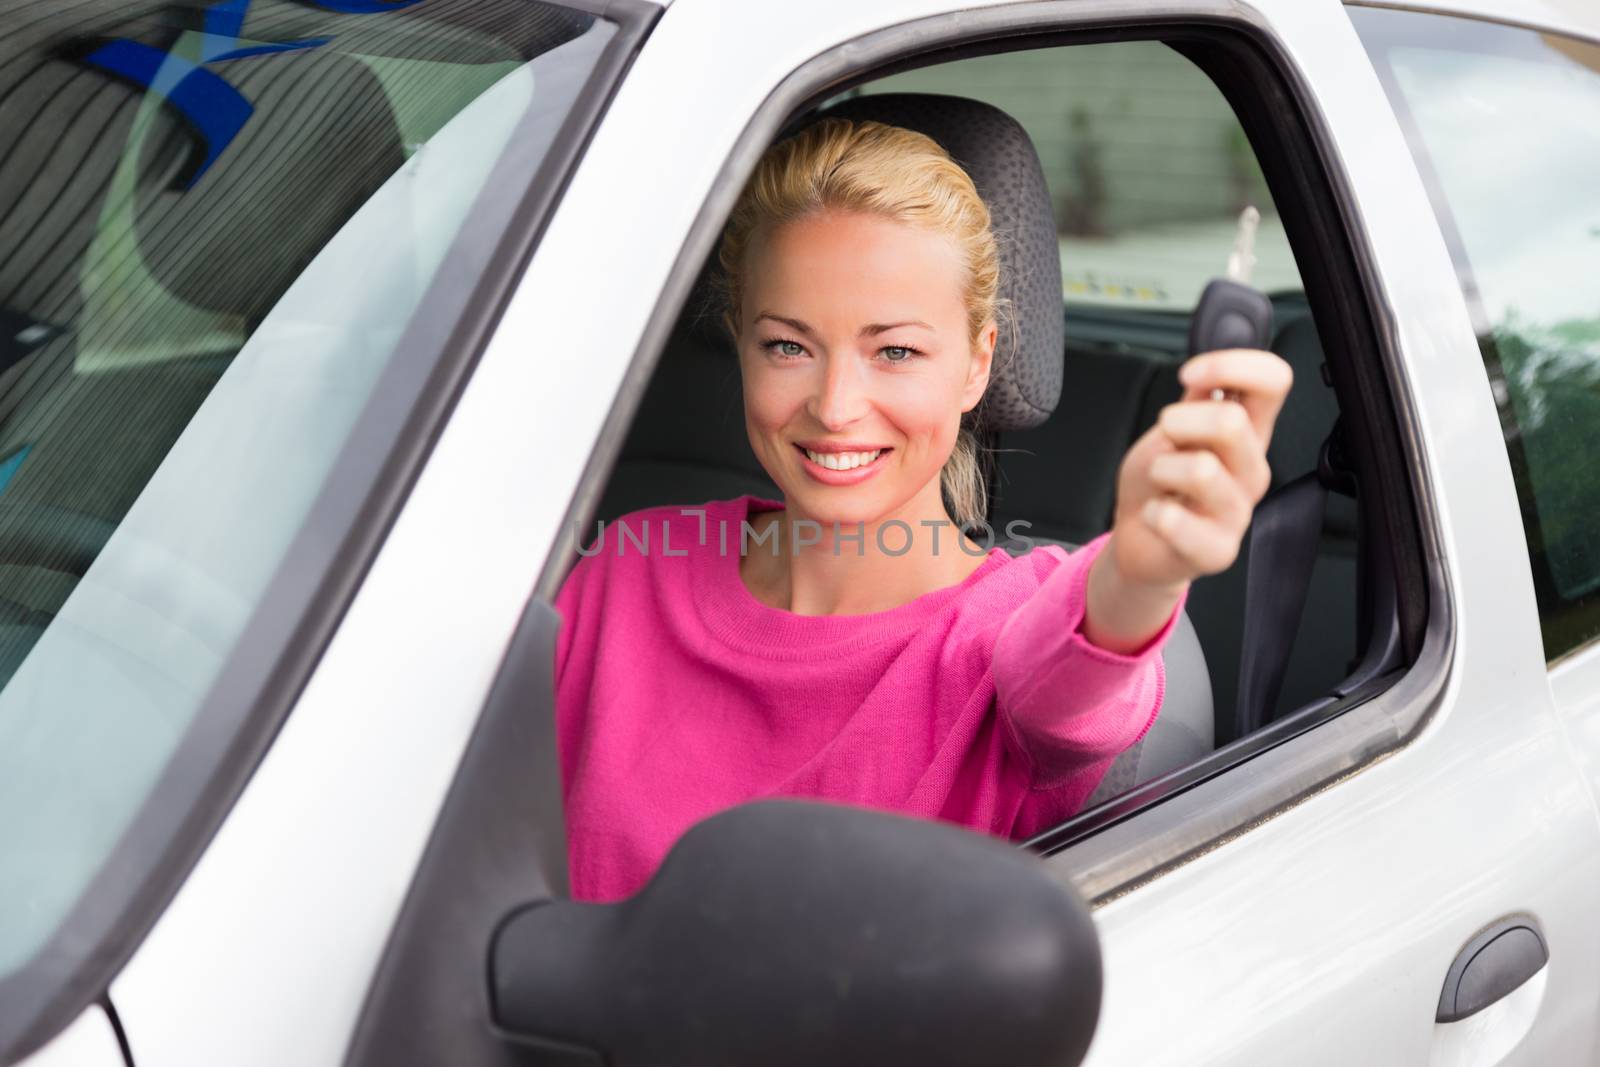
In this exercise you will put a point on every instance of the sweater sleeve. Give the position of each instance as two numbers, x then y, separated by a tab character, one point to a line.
1065	702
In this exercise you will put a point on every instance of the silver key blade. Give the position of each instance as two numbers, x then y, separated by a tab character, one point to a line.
1242	260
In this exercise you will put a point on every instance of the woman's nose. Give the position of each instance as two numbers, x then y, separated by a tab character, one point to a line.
840	397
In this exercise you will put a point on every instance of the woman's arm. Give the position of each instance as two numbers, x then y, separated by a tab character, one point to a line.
1064	700
1122	615
1078	676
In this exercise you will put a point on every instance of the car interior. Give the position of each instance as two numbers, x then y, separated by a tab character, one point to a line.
1085	383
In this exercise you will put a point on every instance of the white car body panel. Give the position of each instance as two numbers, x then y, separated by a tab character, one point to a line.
1320	936
88	1042
1580	18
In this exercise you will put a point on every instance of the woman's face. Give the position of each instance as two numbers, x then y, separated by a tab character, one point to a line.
857	364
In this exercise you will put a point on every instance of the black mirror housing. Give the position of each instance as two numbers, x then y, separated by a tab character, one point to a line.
789	932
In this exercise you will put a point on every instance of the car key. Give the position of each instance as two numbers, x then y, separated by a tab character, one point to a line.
1231	313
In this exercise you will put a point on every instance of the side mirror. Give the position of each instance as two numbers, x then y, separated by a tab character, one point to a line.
789	932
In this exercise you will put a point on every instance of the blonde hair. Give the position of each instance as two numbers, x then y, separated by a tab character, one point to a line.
894	173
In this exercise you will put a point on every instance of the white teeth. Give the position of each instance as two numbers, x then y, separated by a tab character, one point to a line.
843	461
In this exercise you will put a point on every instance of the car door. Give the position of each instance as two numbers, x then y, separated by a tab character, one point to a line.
1303	896
1302	900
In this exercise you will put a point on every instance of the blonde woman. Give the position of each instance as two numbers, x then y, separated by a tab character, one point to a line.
849	642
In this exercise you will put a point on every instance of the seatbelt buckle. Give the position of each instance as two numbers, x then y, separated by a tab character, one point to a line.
1333	470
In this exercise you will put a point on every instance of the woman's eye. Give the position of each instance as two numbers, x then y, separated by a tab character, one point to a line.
790	349
897	353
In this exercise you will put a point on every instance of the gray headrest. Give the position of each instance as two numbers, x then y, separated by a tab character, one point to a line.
995	150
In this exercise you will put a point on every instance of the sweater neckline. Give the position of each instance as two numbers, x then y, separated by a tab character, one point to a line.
731	612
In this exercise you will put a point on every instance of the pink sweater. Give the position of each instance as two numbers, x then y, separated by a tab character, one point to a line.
679	694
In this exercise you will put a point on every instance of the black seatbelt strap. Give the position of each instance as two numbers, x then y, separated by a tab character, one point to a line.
1283	548
1285	536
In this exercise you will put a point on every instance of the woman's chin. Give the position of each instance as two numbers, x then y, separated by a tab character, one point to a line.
846	505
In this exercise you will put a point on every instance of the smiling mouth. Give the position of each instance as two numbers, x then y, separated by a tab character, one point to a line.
843	461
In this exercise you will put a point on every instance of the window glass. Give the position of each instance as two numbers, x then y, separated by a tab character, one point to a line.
1147	162
1502	122
218	219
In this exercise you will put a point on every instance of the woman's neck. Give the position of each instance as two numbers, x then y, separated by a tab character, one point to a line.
855	576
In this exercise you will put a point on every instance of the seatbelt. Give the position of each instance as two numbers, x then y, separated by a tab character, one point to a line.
1284	536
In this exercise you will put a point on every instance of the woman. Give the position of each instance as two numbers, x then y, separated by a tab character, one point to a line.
849	642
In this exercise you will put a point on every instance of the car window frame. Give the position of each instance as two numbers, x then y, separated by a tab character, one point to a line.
327	560
1349	733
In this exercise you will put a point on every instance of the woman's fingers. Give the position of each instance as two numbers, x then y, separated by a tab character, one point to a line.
1224	428
1187	487
1203	544
1206	485
1259	378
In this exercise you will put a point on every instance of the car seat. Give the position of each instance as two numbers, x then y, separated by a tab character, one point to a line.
688	441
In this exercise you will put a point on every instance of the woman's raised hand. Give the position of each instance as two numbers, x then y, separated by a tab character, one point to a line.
1187	488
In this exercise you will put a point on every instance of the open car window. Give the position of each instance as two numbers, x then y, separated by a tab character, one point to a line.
688	442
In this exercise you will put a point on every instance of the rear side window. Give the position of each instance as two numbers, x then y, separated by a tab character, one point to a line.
1503	124
218	220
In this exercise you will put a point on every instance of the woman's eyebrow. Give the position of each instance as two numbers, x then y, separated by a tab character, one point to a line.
872	329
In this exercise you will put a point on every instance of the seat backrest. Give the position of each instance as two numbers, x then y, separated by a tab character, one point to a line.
1184	731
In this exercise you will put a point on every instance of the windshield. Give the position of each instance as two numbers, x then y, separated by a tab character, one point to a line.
218	219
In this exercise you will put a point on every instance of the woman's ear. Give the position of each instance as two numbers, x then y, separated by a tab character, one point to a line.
982	364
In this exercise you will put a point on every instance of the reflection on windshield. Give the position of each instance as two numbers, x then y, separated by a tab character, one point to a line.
219	219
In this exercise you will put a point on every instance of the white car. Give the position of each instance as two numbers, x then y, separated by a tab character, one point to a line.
331	327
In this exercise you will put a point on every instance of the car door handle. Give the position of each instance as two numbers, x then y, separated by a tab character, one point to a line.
1493	964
